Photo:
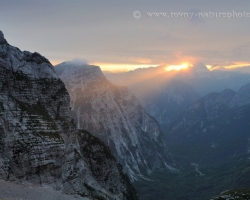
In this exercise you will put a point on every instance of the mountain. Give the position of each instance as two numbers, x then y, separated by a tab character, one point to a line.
205	81
166	94
242	98
198	76
210	141
39	142
163	97
214	123
115	116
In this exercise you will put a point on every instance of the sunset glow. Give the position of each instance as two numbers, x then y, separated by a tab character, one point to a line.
236	65
228	66
177	67
120	67
209	67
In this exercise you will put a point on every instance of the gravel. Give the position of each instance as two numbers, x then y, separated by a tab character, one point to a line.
13	191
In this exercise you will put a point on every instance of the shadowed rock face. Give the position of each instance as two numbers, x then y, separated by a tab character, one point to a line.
39	142
213	129
115	116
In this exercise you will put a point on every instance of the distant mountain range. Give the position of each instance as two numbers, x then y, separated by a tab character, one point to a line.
211	140
163	98
198	76
205	81
216	125
166	94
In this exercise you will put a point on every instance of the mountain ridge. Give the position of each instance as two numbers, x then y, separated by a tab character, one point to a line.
211	140
115	116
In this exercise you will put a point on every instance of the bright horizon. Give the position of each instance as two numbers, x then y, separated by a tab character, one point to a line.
116	67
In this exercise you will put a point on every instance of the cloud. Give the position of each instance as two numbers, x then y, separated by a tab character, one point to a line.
242	51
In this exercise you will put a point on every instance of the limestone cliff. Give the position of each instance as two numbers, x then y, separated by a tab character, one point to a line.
39	142
114	115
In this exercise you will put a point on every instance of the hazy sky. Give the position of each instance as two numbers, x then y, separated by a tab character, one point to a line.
107	33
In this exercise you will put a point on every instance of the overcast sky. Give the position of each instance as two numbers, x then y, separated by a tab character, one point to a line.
106	32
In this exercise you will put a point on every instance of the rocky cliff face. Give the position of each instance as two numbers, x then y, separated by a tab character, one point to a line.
115	116
39	142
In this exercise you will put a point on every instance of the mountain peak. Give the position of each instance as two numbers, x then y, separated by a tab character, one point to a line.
199	66
245	89
114	115
2	39
72	68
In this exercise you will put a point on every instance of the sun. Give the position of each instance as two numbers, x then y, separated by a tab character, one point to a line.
177	67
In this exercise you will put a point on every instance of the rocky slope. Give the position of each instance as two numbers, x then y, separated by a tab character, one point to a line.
205	81
243	194
115	116
13	191
39	143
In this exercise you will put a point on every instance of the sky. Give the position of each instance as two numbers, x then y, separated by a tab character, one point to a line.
122	35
